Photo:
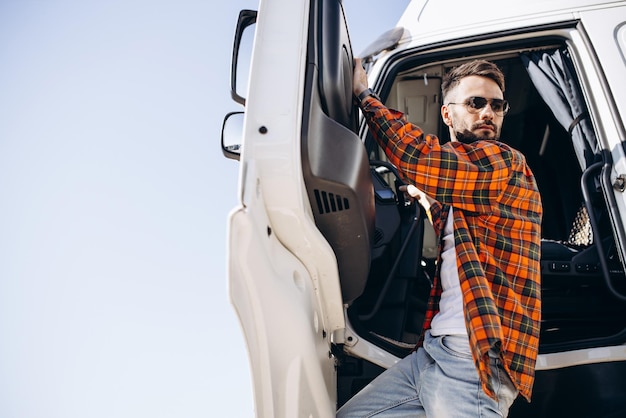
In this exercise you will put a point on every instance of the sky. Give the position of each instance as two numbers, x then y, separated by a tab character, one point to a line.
114	197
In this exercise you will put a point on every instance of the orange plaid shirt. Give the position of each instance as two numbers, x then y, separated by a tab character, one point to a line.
497	220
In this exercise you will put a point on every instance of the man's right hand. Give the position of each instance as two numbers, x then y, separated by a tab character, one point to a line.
412	192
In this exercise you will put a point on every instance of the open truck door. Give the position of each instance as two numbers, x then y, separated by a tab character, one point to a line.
306	216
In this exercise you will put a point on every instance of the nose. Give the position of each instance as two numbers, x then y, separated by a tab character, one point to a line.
487	112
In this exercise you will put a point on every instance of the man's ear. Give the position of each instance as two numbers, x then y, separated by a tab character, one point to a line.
445	115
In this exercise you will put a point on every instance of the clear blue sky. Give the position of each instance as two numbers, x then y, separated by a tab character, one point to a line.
114	196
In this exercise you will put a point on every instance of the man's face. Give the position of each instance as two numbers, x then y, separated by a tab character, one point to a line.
468	124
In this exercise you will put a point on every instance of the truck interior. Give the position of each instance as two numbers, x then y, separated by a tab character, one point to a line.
583	279
579	309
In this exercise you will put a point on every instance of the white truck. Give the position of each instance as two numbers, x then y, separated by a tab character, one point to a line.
329	267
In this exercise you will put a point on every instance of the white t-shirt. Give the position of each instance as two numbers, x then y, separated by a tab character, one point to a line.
450	319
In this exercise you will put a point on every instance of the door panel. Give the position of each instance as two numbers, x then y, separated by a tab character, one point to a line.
334	162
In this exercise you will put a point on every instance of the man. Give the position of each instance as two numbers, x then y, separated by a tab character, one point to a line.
481	330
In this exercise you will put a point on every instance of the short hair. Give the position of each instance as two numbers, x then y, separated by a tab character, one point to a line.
481	68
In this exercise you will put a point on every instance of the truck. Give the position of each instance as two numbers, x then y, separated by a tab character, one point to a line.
330	267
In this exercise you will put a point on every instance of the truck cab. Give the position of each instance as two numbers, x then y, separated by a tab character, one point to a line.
330	267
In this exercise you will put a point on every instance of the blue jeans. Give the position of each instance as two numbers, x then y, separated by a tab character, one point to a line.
438	380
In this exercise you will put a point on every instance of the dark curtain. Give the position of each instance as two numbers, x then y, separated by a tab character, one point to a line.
553	75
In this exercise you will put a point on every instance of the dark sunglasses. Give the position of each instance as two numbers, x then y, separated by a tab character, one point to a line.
476	104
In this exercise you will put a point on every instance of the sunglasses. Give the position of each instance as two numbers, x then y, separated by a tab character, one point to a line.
476	104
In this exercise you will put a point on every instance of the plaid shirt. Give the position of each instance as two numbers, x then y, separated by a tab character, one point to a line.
497	221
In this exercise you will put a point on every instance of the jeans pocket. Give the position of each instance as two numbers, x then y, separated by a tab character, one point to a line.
456	345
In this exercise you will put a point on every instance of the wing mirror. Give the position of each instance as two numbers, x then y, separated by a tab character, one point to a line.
232	135
232	127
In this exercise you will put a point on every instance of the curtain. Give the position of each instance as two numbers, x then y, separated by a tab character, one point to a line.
553	75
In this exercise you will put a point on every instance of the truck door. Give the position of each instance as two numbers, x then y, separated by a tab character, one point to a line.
306	215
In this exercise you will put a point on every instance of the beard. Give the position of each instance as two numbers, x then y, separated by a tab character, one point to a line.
467	136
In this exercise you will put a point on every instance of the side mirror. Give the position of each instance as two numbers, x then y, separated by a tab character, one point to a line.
232	135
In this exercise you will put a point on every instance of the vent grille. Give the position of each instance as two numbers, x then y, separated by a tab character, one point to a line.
328	202
378	235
